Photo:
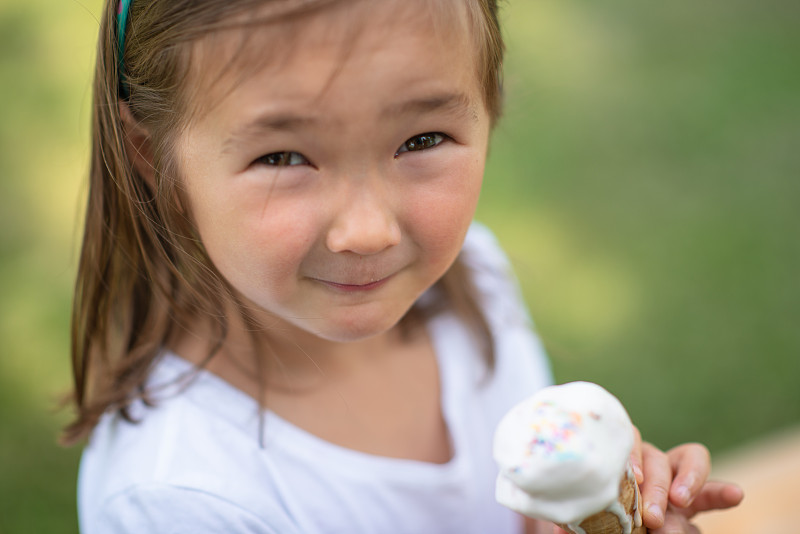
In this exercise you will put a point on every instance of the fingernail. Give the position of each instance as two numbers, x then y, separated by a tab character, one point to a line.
655	512
637	472
683	494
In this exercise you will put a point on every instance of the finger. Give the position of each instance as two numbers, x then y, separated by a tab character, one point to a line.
715	496
536	526
636	456
691	463
655	488
676	524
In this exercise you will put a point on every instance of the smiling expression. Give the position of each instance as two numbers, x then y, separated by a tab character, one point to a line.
333	186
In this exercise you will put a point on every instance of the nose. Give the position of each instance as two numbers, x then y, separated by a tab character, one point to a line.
365	223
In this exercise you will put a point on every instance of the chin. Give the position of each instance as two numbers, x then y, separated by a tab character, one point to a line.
353	333
359	328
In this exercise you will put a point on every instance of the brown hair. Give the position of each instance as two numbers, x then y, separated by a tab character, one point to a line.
142	270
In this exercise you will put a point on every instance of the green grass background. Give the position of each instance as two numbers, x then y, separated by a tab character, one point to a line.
644	182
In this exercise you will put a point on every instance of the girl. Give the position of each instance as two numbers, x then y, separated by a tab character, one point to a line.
284	320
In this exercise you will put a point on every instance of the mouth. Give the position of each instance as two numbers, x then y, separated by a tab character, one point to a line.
354	288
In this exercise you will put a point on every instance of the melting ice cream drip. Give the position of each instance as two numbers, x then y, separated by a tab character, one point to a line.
627	521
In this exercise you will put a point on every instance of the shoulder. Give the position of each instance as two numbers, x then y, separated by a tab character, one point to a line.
521	366
194	451
494	279
161	508
482	249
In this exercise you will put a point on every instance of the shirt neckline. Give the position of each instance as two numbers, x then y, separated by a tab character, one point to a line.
178	376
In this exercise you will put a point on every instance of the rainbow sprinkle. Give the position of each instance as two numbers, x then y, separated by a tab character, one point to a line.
554	430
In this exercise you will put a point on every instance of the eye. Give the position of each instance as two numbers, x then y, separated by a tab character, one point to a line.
282	159
421	142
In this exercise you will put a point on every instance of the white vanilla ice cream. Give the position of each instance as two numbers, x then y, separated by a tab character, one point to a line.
563	452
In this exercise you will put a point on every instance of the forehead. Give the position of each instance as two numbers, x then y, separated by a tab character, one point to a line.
306	53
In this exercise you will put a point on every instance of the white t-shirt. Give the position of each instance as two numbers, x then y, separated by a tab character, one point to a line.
194	464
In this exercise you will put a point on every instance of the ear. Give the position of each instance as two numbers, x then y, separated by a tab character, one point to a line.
138	145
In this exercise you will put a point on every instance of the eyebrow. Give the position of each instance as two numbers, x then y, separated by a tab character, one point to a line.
457	103
268	123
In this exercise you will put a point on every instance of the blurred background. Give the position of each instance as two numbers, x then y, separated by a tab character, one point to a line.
644	182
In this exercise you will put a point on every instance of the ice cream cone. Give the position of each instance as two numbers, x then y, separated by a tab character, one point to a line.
623	517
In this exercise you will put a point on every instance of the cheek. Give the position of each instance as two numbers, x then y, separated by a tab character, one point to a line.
255	240
442	213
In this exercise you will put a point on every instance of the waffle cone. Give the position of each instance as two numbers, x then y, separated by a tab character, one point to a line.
607	522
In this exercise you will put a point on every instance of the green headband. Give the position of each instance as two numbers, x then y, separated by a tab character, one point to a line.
122	24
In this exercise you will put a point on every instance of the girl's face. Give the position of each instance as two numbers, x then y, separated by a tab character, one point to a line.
334	184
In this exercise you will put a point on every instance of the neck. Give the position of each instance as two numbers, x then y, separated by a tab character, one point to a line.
280	356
